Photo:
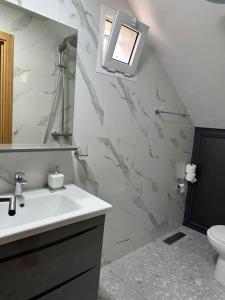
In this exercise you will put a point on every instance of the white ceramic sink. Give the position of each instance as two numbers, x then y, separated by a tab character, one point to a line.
44	211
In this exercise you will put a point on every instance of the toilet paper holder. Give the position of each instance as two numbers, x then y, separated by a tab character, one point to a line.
181	188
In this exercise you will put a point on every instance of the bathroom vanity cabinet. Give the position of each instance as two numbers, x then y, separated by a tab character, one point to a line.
62	263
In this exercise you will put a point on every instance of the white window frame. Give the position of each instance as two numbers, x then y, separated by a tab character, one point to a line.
105	62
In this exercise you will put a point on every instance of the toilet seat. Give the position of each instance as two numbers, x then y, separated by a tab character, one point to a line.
216	237
217	233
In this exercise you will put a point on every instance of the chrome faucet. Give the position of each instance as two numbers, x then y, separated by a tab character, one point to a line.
19	182
18	194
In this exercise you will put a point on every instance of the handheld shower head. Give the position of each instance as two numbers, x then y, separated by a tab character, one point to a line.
72	40
62	46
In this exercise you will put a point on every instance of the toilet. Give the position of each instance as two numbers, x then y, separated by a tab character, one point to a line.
216	237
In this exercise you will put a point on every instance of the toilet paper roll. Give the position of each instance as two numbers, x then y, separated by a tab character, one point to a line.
190	177
190	168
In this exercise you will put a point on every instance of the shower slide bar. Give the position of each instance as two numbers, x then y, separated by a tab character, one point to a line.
159	111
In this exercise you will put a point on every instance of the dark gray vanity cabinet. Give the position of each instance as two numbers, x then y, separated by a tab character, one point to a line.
63	263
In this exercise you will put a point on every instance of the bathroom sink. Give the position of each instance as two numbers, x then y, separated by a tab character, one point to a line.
37	207
44	211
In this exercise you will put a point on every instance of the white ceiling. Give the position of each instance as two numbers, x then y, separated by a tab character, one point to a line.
189	38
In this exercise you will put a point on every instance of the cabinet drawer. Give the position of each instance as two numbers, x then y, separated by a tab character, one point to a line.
84	287
29	275
47	238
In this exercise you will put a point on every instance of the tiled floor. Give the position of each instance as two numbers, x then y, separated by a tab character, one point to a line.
183	270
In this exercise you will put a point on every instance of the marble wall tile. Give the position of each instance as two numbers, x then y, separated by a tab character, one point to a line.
132	151
35	72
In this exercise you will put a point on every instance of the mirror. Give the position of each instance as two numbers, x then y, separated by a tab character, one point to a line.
37	80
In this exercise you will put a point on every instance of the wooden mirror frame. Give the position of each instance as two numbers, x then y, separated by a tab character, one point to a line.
6	86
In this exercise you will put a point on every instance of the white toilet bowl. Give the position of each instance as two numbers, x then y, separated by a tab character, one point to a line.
216	237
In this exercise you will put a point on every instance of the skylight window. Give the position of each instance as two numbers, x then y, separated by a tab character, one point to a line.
121	40
125	44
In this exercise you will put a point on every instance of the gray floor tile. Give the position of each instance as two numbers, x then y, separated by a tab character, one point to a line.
112	287
183	270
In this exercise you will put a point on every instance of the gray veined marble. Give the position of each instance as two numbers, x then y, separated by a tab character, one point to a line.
150	181
49	92
63	7
17	131
123	241
176	201
157	127
121	164
158	225
112	160
173	165
187	151
119	159
19	95
21	23
151	154
174	142
89	176
32	46
19	71
44	120
91	89
159	130
127	96
182	134
83	15
138	202
6	175
137	220
157	93
142	109
88	48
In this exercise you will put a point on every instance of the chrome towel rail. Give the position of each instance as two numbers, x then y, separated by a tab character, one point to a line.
159	111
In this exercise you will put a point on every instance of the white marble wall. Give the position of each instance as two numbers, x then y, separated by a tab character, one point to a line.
132	152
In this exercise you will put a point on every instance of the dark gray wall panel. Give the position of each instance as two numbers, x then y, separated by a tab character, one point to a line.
205	205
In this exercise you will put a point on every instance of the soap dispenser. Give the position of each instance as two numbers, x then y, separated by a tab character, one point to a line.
55	179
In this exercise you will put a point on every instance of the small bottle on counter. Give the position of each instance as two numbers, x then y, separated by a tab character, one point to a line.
55	179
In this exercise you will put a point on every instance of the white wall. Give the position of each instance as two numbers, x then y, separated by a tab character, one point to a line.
132	152
189	36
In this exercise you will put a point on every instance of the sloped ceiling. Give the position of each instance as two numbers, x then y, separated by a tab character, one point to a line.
189	38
